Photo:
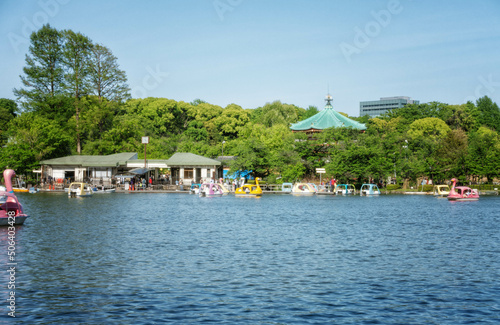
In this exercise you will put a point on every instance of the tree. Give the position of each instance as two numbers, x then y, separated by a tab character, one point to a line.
310	111
278	113
43	78
266	151
8	109
232	118
489	114
451	155
33	138
76	52
106	78
430	128
483	154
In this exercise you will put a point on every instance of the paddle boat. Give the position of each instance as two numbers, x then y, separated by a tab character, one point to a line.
344	189
249	189
79	189
195	188
102	190
303	189
225	190
462	193
286	187
314	186
210	190
11	211
441	190
369	189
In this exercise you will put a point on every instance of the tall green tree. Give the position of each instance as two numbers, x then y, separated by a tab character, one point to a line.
106	78
43	80
489	114
483	153
76	57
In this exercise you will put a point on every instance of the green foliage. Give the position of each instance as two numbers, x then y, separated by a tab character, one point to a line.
489	114
430	128
8	110
393	187
427	188
33	138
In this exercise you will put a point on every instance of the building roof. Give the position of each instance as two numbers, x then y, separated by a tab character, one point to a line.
190	159
118	159
327	118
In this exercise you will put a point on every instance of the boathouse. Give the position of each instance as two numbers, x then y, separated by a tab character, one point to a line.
184	166
325	119
83	167
191	168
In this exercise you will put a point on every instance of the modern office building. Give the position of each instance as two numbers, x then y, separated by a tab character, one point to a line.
375	108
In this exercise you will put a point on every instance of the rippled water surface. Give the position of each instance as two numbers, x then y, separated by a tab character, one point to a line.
176	258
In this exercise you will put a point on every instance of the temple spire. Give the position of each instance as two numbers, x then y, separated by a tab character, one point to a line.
328	101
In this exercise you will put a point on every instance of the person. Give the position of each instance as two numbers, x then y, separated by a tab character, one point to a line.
132	183
150	181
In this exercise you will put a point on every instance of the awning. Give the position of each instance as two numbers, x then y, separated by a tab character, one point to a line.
124	176
139	171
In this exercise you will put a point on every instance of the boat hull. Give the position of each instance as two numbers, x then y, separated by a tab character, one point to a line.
111	190
303	193
210	195
365	193
463	198
18	220
248	195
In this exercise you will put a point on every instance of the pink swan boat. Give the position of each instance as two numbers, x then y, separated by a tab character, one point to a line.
210	190
11	211
462	193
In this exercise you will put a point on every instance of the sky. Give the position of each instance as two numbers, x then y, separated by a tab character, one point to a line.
253	52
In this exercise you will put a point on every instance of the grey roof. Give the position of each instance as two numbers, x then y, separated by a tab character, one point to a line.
190	159
114	160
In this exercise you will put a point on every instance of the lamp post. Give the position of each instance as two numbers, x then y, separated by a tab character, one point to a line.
223	141
145	140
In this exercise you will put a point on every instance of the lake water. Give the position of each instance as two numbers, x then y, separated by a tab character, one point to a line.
177	258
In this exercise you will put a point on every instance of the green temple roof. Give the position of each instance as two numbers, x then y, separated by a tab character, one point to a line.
327	118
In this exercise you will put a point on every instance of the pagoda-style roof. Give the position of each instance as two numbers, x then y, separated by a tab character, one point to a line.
327	118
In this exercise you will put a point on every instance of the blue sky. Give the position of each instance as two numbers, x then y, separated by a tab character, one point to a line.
250	52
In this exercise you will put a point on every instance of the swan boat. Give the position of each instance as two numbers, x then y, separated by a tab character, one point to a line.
11	211
249	190
302	189
210	190
462	193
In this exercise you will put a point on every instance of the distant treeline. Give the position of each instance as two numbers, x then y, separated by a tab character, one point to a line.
75	100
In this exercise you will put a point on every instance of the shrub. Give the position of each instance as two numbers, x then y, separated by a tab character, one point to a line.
428	187
392	187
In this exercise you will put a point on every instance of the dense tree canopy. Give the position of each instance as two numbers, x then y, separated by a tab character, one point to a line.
75	99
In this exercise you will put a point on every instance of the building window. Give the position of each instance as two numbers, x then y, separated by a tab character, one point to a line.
188	173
